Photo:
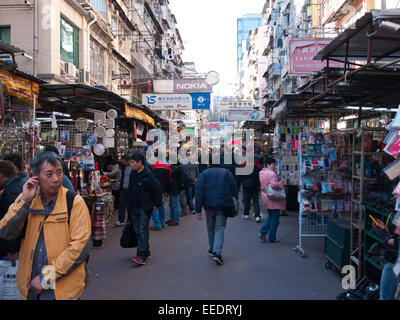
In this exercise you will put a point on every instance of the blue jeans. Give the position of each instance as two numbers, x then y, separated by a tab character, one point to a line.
251	196
174	208
271	224
189	196
123	204
388	283
216	223
159	216
141	222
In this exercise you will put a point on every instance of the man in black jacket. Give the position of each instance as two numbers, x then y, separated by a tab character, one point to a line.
251	191
12	184
163	174
145	196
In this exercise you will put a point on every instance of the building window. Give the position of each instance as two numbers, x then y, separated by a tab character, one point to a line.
5	34
69	36
100	6
96	62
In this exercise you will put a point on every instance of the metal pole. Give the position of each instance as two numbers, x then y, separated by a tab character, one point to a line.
34	60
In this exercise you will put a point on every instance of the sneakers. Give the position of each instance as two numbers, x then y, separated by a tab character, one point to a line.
211	253
119	223
246	217
263	239
258	219
193	212
276	241
218	259
173	224
138	260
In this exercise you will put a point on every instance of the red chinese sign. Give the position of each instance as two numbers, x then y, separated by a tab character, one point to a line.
302	53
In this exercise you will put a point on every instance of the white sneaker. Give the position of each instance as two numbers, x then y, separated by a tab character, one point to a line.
119	223
245	217
258	219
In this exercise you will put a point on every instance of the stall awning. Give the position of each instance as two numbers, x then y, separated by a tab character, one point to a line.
378	26
63	97
135	113
15	84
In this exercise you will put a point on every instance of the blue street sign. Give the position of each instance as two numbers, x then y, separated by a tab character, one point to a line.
201	101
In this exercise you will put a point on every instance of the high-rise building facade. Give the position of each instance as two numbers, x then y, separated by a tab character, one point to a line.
244	25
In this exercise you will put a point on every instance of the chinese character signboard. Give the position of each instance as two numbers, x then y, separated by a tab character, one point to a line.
302	53
197	101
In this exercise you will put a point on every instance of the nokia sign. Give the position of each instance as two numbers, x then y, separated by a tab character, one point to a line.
182	86
191	86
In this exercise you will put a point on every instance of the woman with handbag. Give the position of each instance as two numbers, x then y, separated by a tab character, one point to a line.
273	199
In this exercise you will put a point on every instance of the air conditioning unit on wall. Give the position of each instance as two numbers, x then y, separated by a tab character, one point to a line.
70	69
84	76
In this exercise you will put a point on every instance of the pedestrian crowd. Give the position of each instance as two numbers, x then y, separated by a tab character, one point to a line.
46	226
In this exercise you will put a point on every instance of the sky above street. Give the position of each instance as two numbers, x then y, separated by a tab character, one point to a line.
208	29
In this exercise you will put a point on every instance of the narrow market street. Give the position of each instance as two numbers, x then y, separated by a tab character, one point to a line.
181	269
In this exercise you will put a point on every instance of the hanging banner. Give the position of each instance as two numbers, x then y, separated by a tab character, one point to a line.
302	53
131	112
195	101
21	88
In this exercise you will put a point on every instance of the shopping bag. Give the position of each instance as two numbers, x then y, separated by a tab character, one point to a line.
274	194
128	237
8	281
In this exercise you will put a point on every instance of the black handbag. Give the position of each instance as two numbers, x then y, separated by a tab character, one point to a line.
128	237
230	209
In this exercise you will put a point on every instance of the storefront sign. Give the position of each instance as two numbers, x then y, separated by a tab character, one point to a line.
182	86
138	114
302	53
236	105
197	101
21	88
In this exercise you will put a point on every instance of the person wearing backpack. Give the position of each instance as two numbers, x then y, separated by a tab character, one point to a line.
56	228
268	177
145	197
251	191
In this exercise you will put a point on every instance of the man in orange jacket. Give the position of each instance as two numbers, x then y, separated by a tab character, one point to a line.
56	226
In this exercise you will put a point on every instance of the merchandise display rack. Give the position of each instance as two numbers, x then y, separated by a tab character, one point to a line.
324	171
358	205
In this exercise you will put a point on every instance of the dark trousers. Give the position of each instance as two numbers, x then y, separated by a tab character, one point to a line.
141	221
251	196
123	204
189	196
115	193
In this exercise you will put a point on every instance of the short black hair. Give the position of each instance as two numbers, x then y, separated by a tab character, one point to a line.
50	147
126	157
16	159
269	161
138	156
7	168
46	156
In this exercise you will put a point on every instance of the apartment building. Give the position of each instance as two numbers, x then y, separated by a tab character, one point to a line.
118	44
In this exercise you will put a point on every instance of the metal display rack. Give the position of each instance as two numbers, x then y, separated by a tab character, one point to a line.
322	205
357	202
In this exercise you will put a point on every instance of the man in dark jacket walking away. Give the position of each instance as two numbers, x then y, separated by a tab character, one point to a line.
145	196
191	171
162	172
212	190
126	170
251	191
177	185
12	184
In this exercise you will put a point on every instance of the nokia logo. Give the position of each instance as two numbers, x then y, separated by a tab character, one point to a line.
190	86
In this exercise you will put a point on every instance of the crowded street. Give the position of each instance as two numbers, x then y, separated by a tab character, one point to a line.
180	268
189	151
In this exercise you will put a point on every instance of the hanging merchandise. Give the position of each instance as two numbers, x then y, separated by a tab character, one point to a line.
98	149
100	131
112	114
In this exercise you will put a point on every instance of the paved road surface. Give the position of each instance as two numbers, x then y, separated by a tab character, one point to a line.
180	267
